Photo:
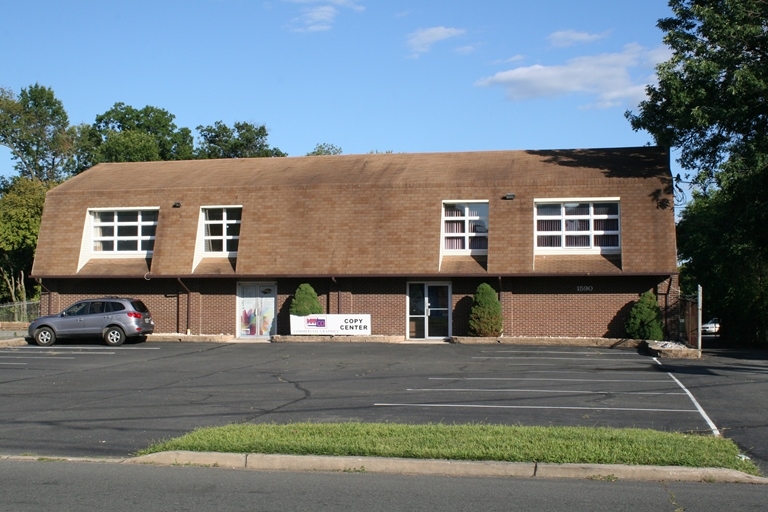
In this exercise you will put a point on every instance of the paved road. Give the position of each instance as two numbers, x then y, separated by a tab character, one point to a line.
90	400
28	486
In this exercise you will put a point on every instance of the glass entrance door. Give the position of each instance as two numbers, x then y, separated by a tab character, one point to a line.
256	309
429	310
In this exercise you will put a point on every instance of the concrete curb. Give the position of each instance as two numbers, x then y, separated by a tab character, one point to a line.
656	350
266	462
13	342
550	341
572	342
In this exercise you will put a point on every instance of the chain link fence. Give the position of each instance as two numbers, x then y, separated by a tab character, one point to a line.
19	311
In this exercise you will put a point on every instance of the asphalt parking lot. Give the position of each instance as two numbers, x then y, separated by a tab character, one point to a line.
91	400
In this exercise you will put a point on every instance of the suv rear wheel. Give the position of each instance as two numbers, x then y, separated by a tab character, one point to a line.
114	336
45	336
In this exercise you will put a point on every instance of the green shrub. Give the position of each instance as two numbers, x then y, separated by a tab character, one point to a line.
485	317
644	321
305	301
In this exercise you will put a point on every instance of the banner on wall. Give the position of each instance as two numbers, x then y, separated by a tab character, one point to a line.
337	325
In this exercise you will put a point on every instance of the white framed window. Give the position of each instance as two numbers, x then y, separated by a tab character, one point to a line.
465	227
577	226
127	232
221	229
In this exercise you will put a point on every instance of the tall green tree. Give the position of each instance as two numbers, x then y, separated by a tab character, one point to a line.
129	146
730	259
710	104
126	134
710	100
21	208
35	127
243	140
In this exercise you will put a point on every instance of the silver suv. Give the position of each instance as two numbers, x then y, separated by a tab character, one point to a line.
112	318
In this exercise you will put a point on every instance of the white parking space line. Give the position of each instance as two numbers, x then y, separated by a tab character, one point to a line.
81	347
546	380
534	360
35	357
536	407
699	408
571	391
20	364
604	353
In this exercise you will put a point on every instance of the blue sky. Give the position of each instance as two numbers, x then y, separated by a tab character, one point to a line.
364	75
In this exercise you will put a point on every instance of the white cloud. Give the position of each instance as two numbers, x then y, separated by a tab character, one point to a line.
470	48
570	37
320	18
514	58
422	40
657	55
606	77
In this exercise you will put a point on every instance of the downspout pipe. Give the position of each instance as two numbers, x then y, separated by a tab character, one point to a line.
189	303
501	289
338	295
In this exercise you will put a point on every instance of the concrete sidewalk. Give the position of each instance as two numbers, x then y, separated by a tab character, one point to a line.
308	463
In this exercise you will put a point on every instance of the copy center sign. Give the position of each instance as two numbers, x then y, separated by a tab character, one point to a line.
337	325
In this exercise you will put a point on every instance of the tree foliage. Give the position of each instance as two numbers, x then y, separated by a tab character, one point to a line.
730	259
21	208
128	146
485	317
47	150
710	101
325	148
243	140
35	127
305	301
127	134
644	321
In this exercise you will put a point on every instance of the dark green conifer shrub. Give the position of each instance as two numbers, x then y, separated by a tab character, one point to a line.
485	316
305	301
644	321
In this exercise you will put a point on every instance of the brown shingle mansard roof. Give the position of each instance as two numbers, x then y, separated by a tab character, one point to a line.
365	215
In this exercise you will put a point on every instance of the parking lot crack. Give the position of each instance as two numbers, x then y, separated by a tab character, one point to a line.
297	385
672	498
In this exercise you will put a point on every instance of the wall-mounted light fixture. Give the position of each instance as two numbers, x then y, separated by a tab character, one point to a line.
177	204
509	197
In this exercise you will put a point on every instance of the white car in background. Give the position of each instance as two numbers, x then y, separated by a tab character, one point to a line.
711	327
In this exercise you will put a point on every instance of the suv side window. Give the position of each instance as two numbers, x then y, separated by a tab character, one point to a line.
117	306
80	308
98	308
139	306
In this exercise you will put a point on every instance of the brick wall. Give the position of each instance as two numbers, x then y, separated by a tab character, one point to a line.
164	297
571	306
532	306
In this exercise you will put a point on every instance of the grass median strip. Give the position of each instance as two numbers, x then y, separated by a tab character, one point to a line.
468	442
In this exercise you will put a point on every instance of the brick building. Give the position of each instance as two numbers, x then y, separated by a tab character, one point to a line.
569	239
